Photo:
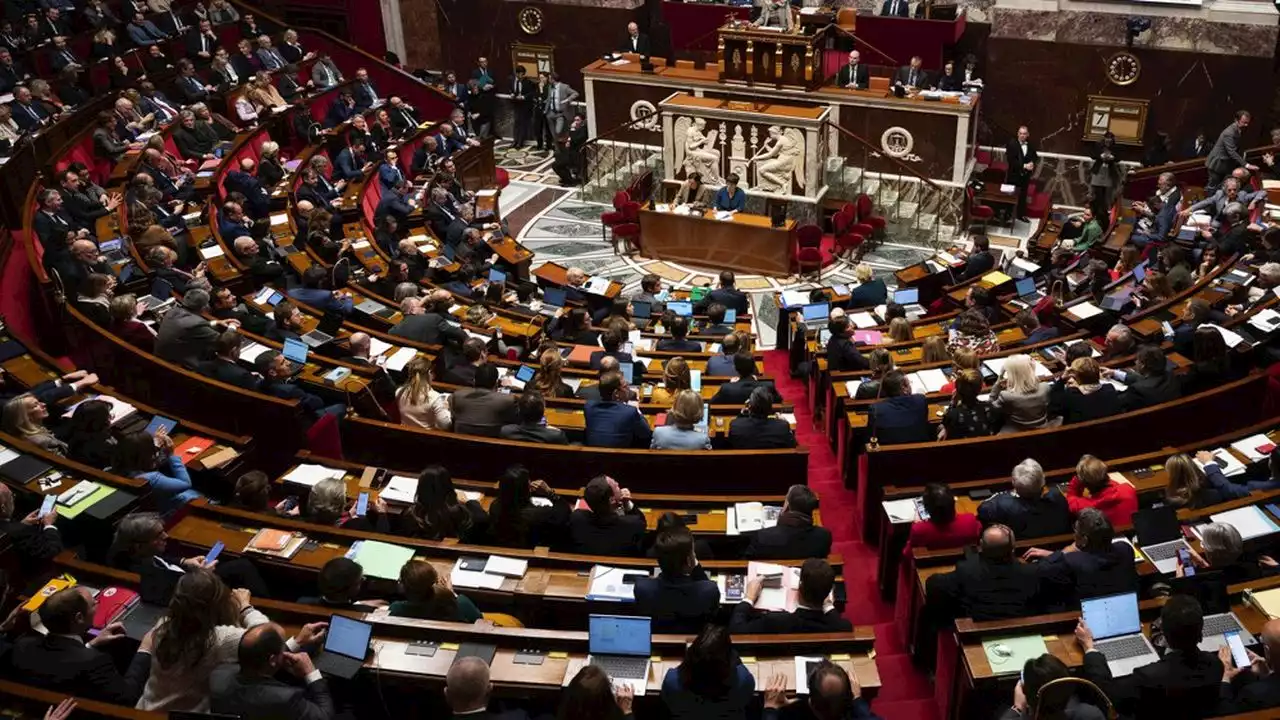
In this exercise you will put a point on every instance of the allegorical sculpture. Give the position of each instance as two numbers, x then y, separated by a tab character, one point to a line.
780	159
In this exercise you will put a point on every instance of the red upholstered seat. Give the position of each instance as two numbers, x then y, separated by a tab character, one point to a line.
627	233
809	258
867	216
323	438
809	236
978	211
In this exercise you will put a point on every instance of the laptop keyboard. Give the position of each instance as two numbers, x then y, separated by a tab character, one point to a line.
1123	648
1220	624
1163	551
621	667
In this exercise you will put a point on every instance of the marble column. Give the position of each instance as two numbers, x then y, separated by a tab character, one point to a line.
392	28
420	21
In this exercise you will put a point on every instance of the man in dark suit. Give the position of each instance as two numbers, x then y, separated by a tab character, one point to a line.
635	42
76	264
395	202
251	690
482	410
737	392
1031	327
1099	566
276	371
727	295
467	688
980	260
311	293
532	426
814	611
1225	155
54	225
682	598
35	536
184	336
522	96
1021	155
758	429
679	340
310	191
1149	382
611	422
225	366
403	117
350	164
61	661
854	74
611	524
912	75
795	535
1028	510
842	353
363	91
83	208
1257	687
340	110
1184	683
989	585
896	8
28	114
428	322
611	340
202	43
243	181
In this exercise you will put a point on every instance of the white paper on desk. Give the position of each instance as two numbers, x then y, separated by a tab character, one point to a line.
851	387
472	579
309	474
1265	319
804	666
1028	267
794	298
401	358
1248	447
251	351
1229	337
263	295
1093	349
900	511
211	252
933	379
506	567
948	259
749	516
607	584
1007	189
662	207
1250	521
1084	310
1119	386
573	382
280	219
862	320
995	365
378	347
724	215
476	335
401	489
917	385
359	244
1226	462
779	599
598	285
1042	372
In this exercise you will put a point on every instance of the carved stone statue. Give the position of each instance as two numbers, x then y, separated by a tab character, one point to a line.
696	151
781	157
776	13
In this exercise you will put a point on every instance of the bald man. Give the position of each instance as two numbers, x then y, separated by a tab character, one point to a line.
833	695
1257	687
251	691
989	586
467	688
359	345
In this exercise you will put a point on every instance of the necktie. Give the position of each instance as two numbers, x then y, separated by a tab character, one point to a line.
204	43
328	75
66	55
912	80
32	112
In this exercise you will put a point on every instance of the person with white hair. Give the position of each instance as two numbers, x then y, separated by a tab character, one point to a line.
184	336
1028	509
1022	397
870	290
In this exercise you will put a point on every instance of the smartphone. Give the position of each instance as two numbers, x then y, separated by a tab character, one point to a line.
290	502
47	506
630	579
214	552
734	587
920	509
362	504
1184	559
1238	653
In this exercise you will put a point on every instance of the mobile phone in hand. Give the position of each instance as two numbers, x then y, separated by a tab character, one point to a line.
1184	559
47	506
362	504
1238	653
214	552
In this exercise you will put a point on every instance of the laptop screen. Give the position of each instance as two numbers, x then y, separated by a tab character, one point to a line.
681	307
627	370
1140	271
525	373
161	289
617	635
816	311
1157	525
641	309
110	245
730	315
553	296
497	277
907	296
1025	286
1110	615
348	637
295	350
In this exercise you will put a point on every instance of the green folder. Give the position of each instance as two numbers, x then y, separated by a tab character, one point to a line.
697	293
1013	652
382	560
88	502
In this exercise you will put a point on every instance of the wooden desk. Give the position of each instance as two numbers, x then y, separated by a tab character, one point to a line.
747	243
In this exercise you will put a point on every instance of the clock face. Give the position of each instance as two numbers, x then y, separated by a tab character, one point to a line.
1123	68
530	19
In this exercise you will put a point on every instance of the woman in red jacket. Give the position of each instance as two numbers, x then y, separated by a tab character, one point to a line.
1093	488
944	528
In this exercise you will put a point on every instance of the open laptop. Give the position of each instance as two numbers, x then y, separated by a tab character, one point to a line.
552	300
345	646
295	351
1117	632
316	338
815	315
1026	289
620	646
909	299
1210	590
641	310
160	293
683	308
1140	271
497	277
1160	536
113	250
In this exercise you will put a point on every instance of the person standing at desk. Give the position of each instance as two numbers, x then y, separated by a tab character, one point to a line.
731	197
895	8
1022	157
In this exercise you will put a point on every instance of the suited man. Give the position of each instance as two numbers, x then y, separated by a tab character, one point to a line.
738	391
397	202
727	295
523	93
611	422
29	115
795	535
842	352
311	293
1257	687
758	429
980	260
61	661
482	410
679	340
912	75
900	416
225	365
896	8
269	56
154	102
61	57
54	225
340	110
184	337
855	74
988	585
1101	565
635	42
310	191
611	524
1161	211
365	94
242	180
75	266
1149	382
257	258
143	32
467	688
35	536
1225	155
532	427
682	599
448	141
202	43
813	612
12	72
324	74
1028	510
350	163
1199	147
1021	155
1185	682
251	691
403	118
170	21
85	210
559	107
428	322
53	25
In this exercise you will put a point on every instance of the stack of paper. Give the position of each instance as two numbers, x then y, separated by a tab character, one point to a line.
794	298
949	259
496	569
917	385
400	489
400	358
752	516
382	560
862	320
1229	337
598	285
1267	602
1249	447
781	585
900	511
251	351
309	474
609	583
1250	521
378	347
211	252
1084	310
1226	462
1265	320
1027	267
933	379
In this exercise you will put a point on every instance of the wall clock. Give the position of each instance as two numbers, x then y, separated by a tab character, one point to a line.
530	19
1123	68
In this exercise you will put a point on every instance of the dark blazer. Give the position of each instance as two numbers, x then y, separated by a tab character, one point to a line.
731	298
678	604
674	345
1016	175
985	590
843	354
752	433
790	539
1148	391
640	46
902	76
429	328
978	264
66	665
620	535
1041	334
902	419
868	294
184	337
482	412
1101	403
749	621
267	698
1248	692
270	173
737	392
231	373
1069	577
858	74
614	424
34	542
533	433
1178	685
903	8
1028	518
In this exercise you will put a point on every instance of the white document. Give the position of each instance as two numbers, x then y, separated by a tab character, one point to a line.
359	244
948	259
1085	310
401	489
598	285
724	215
472	579
541	501
573	382
900	511
1007	189
794	298
862	320
211	252
1042	372
995	365
749	515
851	387
1229	337
804	665
310	474
1249	446
7	454
506	567
607	583
1265	319
378	347
790	418
251	351
1250	521
263	295
917	385
1226	462
933	379
1028	267
401	358
775	598
280	219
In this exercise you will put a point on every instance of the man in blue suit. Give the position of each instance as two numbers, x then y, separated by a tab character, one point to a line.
327	301
389	173
395	202
29	115
364	92
896	8
350	163
612	422
682	599
232	222
447	141
727	295
243	181
143	32
343	107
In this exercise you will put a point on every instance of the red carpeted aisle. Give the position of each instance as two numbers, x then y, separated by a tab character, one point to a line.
905	693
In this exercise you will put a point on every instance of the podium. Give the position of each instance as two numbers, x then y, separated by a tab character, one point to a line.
752	55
